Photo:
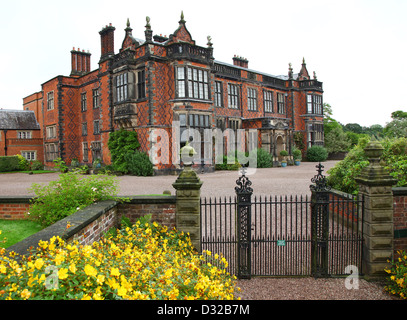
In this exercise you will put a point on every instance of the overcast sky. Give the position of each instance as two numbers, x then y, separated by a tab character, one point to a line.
358	49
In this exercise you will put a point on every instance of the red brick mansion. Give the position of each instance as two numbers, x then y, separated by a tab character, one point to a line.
156	81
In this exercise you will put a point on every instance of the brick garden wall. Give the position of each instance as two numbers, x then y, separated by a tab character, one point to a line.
14	208
90	224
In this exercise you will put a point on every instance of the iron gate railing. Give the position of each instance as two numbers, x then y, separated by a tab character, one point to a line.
284	236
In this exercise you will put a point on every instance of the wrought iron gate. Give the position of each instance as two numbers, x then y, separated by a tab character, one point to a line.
285	236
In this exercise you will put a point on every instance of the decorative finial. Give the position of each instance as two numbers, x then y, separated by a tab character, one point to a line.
182	17
303	60
315	76
290	71
148	26
209	41
128	22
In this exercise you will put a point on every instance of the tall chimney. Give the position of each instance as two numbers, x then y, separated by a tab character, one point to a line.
240	62
80	62
107	42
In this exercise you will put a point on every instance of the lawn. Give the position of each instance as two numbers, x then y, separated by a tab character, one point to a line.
16	230
30	171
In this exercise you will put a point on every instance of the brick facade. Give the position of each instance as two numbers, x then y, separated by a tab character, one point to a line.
151	83
20	134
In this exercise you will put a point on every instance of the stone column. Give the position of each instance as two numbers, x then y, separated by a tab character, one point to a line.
375	184
188	203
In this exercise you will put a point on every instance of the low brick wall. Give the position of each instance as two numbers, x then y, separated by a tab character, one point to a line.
400	218
344	205
14	208
162	209
91	223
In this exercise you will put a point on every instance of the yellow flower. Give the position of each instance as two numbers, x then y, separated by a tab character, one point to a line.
100	279
90	271
63	273
112	283
39	263
3	269
97	296
168	273
72	267
114	272
122	292
25	294
59	258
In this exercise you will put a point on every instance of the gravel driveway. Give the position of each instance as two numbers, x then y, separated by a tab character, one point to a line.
274	181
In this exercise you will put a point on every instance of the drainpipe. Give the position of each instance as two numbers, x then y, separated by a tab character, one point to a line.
5	142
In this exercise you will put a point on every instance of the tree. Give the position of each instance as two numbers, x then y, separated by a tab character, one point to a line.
329	122
398	126
337	141
354	127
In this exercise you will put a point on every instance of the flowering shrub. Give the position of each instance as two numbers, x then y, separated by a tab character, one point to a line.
143	262
398	276
69	194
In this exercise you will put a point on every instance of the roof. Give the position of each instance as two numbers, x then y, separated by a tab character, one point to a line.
249	70
18	120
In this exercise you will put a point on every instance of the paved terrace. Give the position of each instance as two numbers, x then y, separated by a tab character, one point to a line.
292	180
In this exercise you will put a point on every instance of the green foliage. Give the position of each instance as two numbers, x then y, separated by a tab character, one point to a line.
297	154
60	164
330	124
342	175
397	280
394	158
139	164
36	165
337	141
317	154
264	159
9	163
228	163
23	163
283	153
69	194
299	140
121	143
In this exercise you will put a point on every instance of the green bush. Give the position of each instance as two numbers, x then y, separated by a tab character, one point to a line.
337	141
139	164
297	154
23	163
69	194
9	163
36	165
317	154
264	159
121	143
342	175
284	153
228	163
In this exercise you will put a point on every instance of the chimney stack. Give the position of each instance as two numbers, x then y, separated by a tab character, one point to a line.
107	42
80	62
240	62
